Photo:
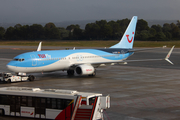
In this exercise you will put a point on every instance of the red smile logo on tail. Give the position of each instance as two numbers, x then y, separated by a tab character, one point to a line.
128	38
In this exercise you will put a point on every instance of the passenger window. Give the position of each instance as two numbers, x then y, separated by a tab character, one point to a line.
59	104
29	102
4	100
54	103
49	103
43	102
23	101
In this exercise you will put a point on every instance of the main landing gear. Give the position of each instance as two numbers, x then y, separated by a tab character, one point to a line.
93	74
31	78
70	72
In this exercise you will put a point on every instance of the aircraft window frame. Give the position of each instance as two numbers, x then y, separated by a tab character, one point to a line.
15	59
20	60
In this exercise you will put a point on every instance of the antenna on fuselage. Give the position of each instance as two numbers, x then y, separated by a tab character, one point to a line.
39	47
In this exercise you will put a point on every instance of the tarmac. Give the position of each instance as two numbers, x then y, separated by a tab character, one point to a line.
138	90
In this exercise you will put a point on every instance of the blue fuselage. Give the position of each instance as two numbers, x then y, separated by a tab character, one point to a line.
52	60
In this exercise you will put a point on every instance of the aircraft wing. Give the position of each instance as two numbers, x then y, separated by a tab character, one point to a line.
166	58
125	61
145	49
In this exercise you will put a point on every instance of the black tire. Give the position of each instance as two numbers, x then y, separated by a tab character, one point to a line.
93	74
70	72
31	78
9	81
1	112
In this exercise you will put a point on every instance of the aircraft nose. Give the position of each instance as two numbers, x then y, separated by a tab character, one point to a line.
11	66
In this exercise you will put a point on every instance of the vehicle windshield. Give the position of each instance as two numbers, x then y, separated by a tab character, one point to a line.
15	59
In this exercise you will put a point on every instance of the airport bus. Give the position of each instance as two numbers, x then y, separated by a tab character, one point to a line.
41	103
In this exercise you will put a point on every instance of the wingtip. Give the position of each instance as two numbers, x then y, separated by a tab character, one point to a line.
169	54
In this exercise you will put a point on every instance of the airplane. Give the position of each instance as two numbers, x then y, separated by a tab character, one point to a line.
81	61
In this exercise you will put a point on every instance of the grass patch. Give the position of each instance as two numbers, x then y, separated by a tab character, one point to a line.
91	43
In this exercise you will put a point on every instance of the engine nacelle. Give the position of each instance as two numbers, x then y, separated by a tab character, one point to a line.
84	69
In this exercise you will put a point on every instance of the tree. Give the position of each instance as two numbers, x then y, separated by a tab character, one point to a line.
36	32
72	27
176	33
123	24
144	35
166	27
51	31
25	32
50	25
2	32
178	23
92	31
105	30
10	33
142	25
17	26
160	36
116	30
158	28
75	31
64	34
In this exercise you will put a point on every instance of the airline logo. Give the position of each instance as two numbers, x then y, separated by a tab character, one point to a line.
44	56
128	38
27	112
88	70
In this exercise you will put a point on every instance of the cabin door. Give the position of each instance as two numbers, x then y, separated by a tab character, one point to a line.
34	60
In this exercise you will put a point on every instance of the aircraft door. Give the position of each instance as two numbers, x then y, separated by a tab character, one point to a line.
34	60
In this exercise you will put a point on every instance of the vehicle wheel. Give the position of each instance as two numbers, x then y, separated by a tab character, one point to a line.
31	78
9	81
70	72
1	112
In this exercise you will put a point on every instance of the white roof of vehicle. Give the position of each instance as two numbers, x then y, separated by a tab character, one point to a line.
29	91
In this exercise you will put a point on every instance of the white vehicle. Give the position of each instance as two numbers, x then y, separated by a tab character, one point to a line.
8	77
52	103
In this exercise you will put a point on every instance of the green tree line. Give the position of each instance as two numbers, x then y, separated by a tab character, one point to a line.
99	30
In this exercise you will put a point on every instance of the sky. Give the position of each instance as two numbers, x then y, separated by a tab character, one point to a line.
38	11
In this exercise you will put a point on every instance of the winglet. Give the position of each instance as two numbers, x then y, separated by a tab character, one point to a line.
169	54
39	47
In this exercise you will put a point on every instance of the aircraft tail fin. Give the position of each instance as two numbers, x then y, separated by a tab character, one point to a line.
39	47
128	37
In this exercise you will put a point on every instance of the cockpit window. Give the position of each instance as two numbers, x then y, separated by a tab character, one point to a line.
15	59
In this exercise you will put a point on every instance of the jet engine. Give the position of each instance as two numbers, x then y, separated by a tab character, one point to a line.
85	70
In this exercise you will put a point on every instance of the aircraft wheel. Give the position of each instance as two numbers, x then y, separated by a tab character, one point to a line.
70	72
31	78
93	74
